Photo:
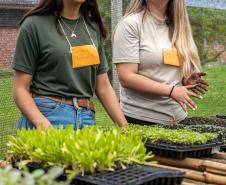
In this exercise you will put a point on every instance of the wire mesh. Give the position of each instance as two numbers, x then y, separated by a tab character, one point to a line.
208	25
22	2
215	4
8	111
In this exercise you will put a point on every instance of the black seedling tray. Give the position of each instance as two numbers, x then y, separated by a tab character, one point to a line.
204	121
221	116
182	152
223	148
133	175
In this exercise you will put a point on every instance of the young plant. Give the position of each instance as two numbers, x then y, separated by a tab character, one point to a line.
155	134
10	176
88	150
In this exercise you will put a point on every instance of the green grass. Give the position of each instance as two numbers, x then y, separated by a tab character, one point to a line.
214	102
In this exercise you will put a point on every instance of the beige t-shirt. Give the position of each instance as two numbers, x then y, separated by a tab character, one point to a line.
143	43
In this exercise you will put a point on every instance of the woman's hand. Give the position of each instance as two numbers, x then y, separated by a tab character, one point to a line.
45	124
196	79
109	100
25	102
182	96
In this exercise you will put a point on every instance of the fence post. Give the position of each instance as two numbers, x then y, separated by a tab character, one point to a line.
116	14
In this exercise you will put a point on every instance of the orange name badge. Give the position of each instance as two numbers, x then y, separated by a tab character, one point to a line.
171	57
83	56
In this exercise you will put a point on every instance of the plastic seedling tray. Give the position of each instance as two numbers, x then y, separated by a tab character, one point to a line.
221	116
223	148
204	121
133	175
182	152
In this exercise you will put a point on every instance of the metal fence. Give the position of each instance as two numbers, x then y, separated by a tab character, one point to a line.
22	2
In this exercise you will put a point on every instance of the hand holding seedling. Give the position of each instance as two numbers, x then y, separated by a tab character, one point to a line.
196	79
182	95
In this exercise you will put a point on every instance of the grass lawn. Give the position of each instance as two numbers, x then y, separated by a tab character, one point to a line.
214	102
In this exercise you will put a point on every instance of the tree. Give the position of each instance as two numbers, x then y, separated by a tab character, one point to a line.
117	11
209	27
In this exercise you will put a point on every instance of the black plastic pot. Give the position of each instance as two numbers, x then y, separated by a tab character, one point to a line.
223	148
221	116
133	175
182	152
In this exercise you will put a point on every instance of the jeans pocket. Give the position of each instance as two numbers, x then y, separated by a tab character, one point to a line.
46	106
87	118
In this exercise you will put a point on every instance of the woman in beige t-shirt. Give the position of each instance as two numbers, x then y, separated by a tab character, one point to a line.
157	62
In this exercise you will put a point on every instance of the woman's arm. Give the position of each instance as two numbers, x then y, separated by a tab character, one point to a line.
109	100
25	102
129	78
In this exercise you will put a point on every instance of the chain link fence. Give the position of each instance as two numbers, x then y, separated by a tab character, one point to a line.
8	111
208	23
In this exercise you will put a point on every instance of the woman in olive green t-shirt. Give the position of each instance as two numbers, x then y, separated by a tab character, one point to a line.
157	62
60	63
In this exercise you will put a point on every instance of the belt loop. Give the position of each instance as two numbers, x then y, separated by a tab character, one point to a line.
75	103
63	101
88	103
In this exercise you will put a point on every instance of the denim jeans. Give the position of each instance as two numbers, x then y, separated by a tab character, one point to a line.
60	114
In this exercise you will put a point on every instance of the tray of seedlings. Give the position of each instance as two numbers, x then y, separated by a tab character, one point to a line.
210	129
131	175
204	121
90	156
221	116
221	131
177	143
211	125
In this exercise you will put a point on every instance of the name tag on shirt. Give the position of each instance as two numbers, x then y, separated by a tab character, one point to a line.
83	56
171	57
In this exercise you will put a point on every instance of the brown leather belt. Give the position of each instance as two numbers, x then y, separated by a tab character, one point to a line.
82	102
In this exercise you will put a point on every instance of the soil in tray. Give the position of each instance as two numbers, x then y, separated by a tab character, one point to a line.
221	116
204	121
133	175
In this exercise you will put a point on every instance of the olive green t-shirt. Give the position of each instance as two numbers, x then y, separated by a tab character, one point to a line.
44	52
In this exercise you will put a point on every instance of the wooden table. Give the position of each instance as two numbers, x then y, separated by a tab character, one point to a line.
201	171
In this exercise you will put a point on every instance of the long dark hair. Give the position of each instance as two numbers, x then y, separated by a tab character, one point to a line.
170	17
88	9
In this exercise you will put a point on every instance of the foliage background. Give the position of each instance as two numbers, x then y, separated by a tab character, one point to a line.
208	25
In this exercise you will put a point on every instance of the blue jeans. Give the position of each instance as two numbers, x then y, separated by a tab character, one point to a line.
60	114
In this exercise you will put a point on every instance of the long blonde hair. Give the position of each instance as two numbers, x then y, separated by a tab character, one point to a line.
179	30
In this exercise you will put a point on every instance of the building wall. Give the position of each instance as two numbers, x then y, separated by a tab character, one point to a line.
7	46
9	19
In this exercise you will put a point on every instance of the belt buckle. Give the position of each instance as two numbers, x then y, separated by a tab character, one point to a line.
75	103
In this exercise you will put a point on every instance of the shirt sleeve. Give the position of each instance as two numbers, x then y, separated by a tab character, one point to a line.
103	67
26	53
126	42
